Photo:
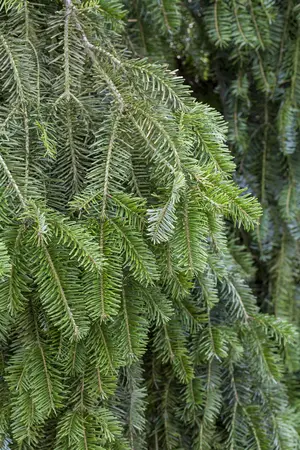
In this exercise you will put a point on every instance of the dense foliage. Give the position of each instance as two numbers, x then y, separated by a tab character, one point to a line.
243	57
126	321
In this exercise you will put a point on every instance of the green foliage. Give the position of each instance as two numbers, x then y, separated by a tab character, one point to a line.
248	53
125	318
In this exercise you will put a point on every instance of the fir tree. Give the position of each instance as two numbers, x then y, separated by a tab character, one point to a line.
243	57
126	321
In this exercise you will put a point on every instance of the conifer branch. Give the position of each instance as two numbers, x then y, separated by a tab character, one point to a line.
12	182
